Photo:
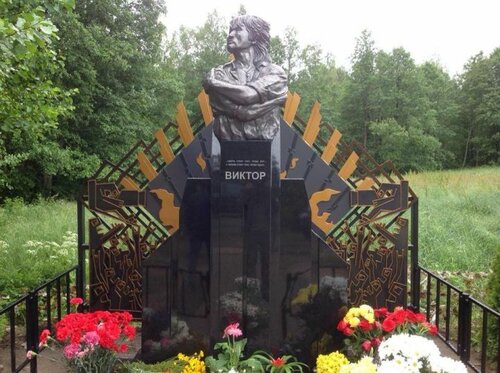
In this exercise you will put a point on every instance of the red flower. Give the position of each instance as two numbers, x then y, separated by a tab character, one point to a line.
420	317
76	301
129	331
366	345
278	362
398	316
376	341
388	325
348	331
232	330
431	327
415	317
380	312
44	335
109	327
342	325
365	325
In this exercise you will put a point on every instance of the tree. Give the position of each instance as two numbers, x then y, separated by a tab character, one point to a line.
442	94
359	107
480	114
402	97
319	79
409	148
31	102
114	57
191	53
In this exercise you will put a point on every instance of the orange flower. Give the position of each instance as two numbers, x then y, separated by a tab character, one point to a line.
278	362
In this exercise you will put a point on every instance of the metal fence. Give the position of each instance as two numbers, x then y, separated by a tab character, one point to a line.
467	326
36	310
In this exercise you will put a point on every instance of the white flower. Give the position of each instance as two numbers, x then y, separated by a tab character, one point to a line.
443	364
410	353
233	371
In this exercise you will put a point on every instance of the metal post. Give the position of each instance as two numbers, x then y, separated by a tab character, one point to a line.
32	327
415	268
80	273
464	327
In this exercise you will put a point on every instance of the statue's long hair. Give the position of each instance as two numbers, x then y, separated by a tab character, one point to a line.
258	30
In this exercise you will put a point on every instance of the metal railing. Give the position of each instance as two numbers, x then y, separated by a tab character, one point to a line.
39	309
467	326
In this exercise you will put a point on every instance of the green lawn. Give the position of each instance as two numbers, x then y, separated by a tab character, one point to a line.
37	241
459	215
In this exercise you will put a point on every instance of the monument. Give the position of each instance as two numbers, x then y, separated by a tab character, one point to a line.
247	221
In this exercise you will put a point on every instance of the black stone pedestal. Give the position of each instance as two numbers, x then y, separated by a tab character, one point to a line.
244	252
245	195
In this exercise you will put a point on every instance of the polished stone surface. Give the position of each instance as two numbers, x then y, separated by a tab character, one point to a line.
245	252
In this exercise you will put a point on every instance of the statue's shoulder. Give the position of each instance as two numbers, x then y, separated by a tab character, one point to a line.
271	68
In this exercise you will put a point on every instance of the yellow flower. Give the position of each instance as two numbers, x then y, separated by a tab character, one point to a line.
354	321
305	295
194	363
330	363
366	308
365	365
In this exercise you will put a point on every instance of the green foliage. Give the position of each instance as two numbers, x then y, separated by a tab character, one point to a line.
191	53
36	243
31	103
480	110
230	357
114	58
493	287
392	141
170	365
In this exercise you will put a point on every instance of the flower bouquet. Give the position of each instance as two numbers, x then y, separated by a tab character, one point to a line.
414	354
91	340
366	327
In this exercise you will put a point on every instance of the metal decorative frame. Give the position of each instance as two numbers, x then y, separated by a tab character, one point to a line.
357	205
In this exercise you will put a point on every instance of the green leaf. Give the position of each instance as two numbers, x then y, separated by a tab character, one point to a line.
20	22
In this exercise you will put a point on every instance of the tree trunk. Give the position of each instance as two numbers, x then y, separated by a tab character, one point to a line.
469	135
47	185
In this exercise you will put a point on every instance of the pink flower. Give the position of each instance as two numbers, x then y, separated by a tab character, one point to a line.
71	350
366	345
233	330
76	301
30	354
82	353
91	338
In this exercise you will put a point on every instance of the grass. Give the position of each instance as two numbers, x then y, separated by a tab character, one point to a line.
459	217
35	244
44	220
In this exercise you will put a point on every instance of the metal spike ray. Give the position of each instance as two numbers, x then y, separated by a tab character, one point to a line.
165	148
331	147
206	109
291	106
185	130
146	167
312	128
349	166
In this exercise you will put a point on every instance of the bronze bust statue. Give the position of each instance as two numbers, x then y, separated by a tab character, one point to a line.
247	93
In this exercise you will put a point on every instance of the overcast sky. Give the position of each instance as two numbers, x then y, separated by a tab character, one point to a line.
447	31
